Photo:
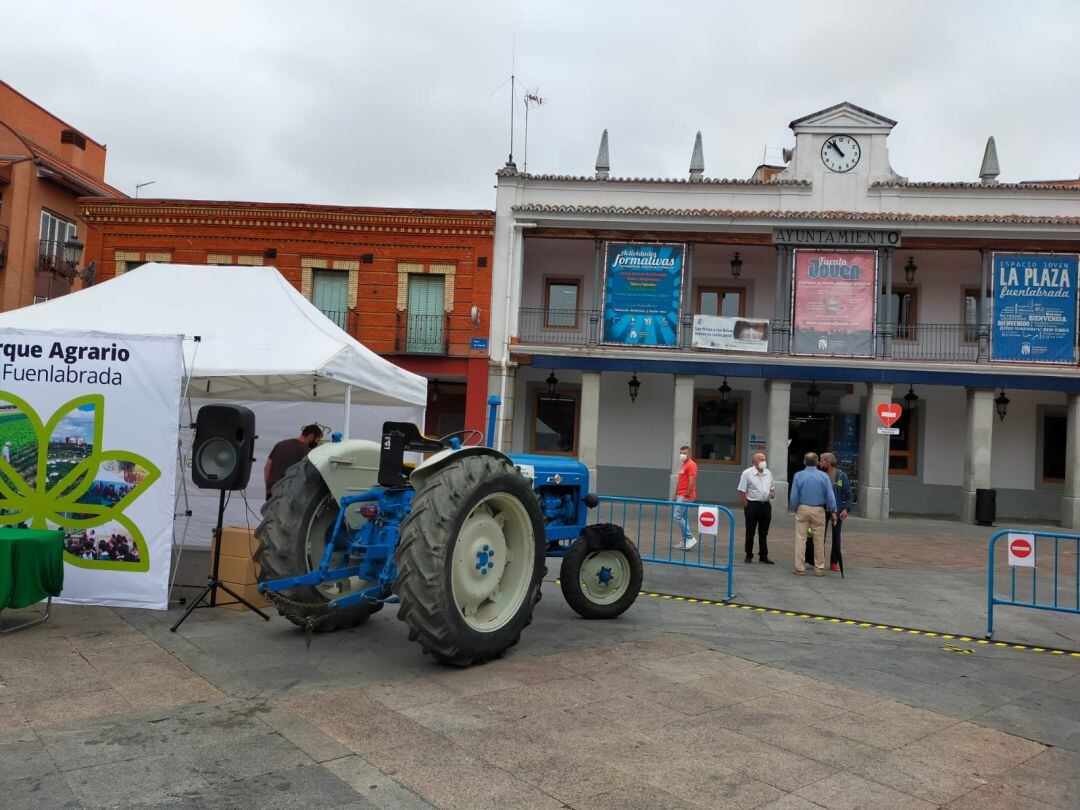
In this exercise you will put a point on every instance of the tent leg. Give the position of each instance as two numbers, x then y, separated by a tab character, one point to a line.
348	412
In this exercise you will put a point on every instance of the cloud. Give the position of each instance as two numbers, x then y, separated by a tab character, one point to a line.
392	104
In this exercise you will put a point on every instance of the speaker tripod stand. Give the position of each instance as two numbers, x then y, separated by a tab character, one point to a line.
209	593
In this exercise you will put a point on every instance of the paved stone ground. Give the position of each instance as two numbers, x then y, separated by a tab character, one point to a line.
673	705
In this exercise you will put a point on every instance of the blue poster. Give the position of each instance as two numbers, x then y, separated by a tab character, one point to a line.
1034	308
642	293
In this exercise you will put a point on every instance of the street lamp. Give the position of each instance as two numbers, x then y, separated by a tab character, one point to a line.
909	270
634	385
725	392
552	383
736	266
911	399
812	395
73	249
1001	404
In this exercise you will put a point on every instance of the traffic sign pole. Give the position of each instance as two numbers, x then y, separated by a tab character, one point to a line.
888	414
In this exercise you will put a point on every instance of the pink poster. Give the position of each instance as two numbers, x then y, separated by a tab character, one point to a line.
834	303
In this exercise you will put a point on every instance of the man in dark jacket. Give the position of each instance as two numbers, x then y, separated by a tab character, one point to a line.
842	489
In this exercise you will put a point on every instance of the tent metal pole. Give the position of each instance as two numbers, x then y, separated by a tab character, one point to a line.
348	412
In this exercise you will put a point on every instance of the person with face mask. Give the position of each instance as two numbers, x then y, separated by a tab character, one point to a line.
686	490
842	487
756	490
288	452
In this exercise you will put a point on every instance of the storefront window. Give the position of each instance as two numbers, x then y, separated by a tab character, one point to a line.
1053	443
561	302
902	446
554	428
716	430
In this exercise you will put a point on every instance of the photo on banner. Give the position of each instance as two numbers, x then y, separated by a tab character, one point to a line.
88	438
833	309
642	293
1034	315
730	334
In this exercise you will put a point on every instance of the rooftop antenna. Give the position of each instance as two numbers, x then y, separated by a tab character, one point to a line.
513	65
532	97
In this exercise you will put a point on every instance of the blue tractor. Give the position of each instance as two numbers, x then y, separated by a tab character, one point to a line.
459	540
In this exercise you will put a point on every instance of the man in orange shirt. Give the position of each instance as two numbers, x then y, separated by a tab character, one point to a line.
686	491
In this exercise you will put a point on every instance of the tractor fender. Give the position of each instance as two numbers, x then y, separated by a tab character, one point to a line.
600	536
348	467
418	478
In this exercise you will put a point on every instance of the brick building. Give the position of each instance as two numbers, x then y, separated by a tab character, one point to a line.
45	166
411	284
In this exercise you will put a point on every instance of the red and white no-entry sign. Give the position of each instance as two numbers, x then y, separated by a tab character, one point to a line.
1021	549
888	413
708	519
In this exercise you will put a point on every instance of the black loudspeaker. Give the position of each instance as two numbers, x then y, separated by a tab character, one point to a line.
224	442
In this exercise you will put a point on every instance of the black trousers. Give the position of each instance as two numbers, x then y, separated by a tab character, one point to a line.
758	516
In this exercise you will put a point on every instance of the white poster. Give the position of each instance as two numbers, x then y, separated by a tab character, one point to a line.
88	444
731	334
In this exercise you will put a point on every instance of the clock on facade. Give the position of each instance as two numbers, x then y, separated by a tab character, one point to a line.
840	153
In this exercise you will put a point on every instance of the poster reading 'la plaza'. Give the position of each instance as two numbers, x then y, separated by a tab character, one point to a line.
834	303
1034	308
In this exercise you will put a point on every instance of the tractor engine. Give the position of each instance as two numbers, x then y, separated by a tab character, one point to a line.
562	487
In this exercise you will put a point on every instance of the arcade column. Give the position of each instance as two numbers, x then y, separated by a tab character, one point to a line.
1070	500
682	424
589	424
873	480
979	437
779	423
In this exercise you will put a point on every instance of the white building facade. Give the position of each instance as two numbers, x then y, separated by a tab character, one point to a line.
633	316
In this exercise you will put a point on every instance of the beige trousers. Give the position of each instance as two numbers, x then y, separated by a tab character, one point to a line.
810	517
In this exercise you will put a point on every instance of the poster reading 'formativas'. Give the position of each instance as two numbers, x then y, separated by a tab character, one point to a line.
834	303
642	293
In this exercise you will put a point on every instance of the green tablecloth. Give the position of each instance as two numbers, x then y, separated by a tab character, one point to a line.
31	566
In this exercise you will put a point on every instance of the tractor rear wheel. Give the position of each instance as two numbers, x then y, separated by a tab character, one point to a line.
603	582
297	521
470	560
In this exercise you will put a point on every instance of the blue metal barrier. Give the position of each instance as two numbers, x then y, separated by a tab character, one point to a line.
1052	591
651	525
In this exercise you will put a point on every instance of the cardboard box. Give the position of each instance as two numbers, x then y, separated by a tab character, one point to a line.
237	541
237	570
249	592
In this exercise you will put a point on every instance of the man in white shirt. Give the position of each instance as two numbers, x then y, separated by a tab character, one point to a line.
756	490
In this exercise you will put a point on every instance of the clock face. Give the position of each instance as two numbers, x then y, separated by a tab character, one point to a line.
840	153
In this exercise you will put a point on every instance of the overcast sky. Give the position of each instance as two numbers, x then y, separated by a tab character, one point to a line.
407	103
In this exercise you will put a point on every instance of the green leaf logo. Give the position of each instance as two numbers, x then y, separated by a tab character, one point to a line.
56	473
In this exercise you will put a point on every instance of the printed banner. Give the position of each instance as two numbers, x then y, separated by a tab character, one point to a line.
1034	309
834	304
731	334
642	293
88	438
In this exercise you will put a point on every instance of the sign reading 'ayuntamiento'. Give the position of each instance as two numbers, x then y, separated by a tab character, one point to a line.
835	237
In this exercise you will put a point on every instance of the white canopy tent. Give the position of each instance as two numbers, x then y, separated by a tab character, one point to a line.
260	344
259	339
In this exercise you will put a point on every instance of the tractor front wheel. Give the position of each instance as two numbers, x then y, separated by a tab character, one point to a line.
470	560
296	525
601	583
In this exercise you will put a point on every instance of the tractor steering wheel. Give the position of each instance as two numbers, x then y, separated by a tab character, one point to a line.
467	435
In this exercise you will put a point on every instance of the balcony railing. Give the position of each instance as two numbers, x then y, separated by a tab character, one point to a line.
422	334
560	327
940	342
50	256
341	318
947	342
